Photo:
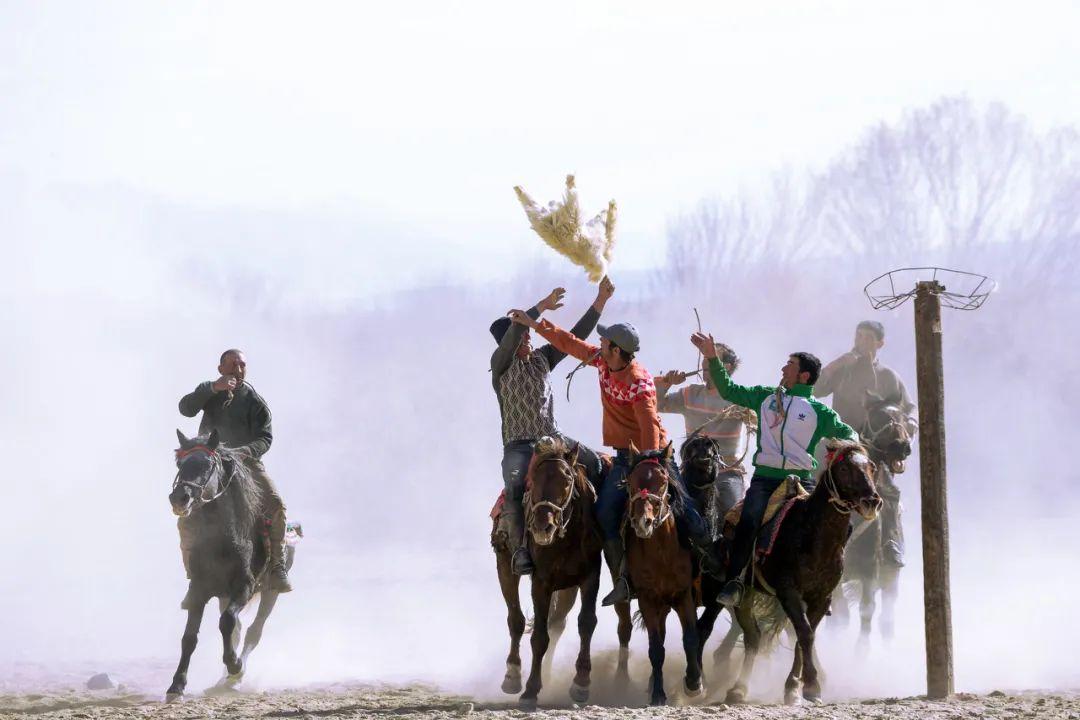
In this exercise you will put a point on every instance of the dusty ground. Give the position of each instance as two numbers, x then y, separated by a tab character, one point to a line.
344	701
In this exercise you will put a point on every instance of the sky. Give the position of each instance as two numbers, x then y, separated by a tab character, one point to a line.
408	123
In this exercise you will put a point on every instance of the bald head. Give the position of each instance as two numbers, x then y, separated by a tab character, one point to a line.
233	364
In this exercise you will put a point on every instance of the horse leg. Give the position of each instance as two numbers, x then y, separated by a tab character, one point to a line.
705	625
890	590
841	614
655	621
722	654
795	609
562	602
267	601
230	638
515	622
811	673
187	648
586	623
541	596
866	611
687	612
751	642
625	630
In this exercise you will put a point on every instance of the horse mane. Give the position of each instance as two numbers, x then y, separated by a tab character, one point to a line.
547	448
679	494
842	447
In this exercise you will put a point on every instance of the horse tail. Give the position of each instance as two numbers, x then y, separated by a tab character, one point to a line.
771	620
638	620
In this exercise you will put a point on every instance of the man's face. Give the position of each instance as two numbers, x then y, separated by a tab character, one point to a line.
235	365
789	374
609	351
867	343
525	346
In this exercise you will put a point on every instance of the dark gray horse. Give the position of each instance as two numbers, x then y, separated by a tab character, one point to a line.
216	495
889	444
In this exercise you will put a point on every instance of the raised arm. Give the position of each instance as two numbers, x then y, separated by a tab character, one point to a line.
504	354
193	403
585	325
832	373
563	341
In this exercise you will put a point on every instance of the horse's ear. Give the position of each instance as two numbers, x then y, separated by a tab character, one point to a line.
668	452
572	454
182	438
633	451
213	441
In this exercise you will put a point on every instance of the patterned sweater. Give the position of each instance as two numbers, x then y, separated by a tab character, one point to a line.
699	407
523	385
628	395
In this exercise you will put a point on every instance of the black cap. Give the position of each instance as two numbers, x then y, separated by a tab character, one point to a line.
499	328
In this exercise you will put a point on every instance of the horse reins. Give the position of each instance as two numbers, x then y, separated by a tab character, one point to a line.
561	517
844	507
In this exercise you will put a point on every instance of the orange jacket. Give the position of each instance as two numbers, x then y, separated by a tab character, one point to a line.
627	395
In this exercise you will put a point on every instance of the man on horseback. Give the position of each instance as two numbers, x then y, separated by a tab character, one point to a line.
231	406
521	378
708	415
790	425
628	397
852	379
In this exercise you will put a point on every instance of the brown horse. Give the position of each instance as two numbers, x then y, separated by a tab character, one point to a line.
806	563
565	544
661	569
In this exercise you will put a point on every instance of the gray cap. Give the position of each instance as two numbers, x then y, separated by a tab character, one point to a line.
622	334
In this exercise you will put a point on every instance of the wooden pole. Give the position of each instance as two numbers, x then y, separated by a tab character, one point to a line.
935	520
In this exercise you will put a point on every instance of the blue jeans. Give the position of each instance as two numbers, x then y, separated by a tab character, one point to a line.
754	505
515	466
611	503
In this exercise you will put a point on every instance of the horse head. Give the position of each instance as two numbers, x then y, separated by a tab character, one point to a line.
849	479
200	475
647	485
886	432
701	461
553	482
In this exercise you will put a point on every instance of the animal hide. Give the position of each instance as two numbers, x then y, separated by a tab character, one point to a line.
587	244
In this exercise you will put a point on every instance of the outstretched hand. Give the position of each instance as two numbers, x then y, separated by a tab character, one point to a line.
673	377
705	344
553	300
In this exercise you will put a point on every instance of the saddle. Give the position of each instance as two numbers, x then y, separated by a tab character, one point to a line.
780	503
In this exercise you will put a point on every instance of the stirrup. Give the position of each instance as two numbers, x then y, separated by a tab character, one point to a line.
522	563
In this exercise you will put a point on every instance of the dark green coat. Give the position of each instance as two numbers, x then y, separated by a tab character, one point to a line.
244	422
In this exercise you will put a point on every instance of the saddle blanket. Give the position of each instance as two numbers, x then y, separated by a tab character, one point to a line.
780	503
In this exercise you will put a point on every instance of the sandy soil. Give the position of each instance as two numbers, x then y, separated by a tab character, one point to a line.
352	701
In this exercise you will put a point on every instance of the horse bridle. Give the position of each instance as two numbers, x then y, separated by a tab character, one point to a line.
717	466
196	488
659	500
873	434
559	515
842	506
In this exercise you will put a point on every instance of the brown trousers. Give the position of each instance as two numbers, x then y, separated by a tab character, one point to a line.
273	507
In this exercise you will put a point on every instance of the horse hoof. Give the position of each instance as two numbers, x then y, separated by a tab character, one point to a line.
692	692
735	696
579	693
658	700
527	704
792	697
172	697
511	685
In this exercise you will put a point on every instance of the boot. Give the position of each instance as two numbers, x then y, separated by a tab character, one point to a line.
520	560
279	575
616	561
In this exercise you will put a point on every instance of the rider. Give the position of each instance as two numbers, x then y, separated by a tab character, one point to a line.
852	379
790	424
521	378
231	406
709	415
628	397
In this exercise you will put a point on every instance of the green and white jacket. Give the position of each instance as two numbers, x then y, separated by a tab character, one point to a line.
787	437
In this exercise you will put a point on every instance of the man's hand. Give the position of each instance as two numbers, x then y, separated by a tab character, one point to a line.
705	344
522	318
225	383
553	300
848	359
604	292
673	377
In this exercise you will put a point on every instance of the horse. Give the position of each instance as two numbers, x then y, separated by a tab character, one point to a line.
701	464
214	492
661	569
805	565
888	441
565	545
